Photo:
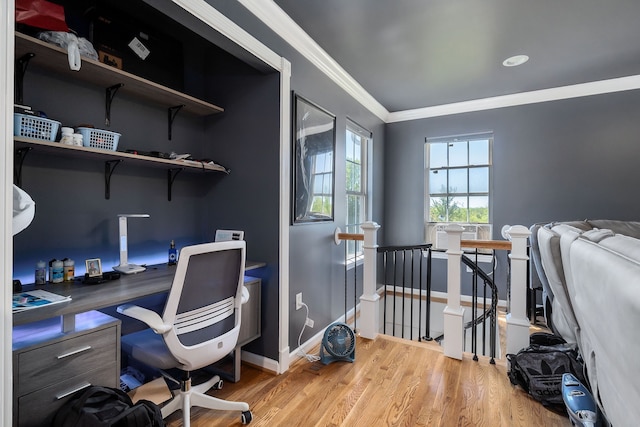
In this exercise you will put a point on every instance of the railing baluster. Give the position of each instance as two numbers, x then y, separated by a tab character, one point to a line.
420	297
394	292
428	299
355	288
346	270
384	290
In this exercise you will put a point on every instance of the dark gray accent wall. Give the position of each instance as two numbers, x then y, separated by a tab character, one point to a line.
561	160
74	220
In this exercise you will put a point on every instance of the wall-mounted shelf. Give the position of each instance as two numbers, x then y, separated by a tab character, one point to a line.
111	159
53	58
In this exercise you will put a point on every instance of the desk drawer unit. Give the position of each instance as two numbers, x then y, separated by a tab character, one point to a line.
39	408
49	365
53	363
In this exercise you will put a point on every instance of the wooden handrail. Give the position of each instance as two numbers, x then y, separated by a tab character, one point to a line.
350	236
504	245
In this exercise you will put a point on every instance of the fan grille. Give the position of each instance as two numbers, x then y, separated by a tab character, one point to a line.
339	340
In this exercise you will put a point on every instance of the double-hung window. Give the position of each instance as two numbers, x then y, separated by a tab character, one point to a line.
357	142
458	186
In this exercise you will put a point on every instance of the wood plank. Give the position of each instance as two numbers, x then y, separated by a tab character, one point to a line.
392	382
504	245
350	236
54	59
59	149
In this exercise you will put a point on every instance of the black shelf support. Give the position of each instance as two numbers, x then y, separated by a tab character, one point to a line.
172	113
20	71
109	167
171	176
110	94
21	153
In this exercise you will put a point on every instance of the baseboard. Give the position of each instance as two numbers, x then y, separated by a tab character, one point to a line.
260	361
315	341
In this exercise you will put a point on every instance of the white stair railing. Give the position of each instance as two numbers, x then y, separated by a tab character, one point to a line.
517	321
369	306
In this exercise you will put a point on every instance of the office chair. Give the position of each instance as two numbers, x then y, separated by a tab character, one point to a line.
199	325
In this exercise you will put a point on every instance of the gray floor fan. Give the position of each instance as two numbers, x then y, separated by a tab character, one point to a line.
338	344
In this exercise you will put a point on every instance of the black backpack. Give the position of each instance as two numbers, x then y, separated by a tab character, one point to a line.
538	369
105	406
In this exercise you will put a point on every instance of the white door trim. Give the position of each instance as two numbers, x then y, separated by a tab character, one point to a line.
6	205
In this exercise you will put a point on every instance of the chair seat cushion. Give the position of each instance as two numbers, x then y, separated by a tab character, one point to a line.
149	348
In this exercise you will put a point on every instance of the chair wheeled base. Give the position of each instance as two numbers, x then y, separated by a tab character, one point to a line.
189	396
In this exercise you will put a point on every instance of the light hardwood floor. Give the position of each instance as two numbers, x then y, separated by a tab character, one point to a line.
393	382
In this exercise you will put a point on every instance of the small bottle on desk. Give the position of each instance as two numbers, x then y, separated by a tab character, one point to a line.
173	253
41	273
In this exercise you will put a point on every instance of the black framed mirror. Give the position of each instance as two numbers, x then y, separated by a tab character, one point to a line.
314	140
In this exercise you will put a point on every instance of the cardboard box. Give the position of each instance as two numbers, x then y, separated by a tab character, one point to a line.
156	391
137	47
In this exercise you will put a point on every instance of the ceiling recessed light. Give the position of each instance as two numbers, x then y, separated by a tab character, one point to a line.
516	60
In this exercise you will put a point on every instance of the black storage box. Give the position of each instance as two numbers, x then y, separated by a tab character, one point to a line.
133	46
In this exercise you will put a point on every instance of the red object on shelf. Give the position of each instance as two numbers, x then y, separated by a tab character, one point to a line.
41	14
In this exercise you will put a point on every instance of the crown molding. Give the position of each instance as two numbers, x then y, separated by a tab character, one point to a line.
276	19
544	95
215	19
279	22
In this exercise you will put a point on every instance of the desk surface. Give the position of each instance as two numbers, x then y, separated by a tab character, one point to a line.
155	280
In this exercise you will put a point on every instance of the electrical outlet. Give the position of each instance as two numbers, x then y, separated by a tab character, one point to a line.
298	301
309	322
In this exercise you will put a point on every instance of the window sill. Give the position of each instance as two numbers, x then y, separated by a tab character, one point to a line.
352	263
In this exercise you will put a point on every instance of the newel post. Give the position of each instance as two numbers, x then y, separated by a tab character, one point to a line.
517	321
453	312
369	306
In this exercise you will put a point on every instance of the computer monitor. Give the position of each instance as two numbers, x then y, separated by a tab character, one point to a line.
225	235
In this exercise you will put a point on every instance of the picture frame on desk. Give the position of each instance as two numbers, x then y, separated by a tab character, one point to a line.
94	267
314	141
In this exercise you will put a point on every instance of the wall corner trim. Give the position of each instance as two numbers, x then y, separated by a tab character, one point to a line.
279	22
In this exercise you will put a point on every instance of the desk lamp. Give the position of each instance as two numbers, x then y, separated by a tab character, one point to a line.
124	266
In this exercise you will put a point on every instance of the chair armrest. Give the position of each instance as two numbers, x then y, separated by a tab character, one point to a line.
150	317
245	295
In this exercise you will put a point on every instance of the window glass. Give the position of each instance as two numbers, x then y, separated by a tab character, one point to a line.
458	180
458	175
479	180
357	141
458	155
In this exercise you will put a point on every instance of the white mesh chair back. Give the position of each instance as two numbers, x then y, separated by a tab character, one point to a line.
204	303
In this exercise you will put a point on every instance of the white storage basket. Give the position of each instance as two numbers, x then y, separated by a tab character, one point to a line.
35	127
98	138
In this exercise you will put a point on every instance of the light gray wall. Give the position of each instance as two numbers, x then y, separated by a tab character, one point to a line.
562	160
316	267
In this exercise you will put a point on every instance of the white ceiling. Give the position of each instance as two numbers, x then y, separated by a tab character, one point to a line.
410	54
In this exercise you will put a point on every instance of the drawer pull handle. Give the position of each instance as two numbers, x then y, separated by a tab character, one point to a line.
76	351
67	393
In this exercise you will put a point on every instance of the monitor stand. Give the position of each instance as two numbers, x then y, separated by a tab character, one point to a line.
129	268
124	266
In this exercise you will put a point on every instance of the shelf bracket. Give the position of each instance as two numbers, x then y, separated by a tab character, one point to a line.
110	94
21	69
109	167
171	176
172	113
21	153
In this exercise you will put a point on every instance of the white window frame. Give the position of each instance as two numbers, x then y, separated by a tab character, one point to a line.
366	139
482	230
